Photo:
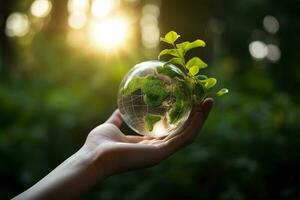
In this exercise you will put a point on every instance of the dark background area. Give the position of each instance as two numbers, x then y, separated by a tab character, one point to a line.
53	93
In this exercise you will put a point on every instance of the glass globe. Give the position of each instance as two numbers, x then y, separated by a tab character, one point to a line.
154	100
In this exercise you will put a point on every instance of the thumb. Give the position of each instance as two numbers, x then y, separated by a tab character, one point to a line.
115	118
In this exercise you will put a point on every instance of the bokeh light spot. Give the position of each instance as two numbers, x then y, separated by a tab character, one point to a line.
149	26
258	49
78	5
77	20
40	8
101	8
17	24
274	53
271	24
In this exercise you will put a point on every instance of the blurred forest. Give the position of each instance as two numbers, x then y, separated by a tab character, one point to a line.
59	77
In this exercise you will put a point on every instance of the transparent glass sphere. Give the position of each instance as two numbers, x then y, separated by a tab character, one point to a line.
153	99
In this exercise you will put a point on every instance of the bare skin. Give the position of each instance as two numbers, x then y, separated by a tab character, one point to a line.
107	151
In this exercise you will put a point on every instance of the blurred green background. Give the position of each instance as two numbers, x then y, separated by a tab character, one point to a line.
61	62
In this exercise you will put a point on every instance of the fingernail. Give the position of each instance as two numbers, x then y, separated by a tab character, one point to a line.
207	105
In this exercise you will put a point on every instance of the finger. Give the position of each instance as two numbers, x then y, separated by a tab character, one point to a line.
115	118
135	138
195	122
198	112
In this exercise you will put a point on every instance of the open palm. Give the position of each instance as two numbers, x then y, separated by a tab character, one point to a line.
118	152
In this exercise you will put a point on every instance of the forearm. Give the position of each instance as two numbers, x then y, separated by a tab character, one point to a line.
70	179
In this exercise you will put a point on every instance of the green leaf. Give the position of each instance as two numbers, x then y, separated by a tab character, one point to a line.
170	37
195	61
201	77
195	44
182	46
209	83
194	70
172	52
219	93
222	92
178	61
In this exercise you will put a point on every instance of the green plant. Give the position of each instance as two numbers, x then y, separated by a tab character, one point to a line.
198	84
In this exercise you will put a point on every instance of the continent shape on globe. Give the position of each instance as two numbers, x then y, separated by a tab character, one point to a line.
154	100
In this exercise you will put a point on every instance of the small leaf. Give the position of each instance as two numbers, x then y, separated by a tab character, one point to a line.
209	83
173	52
219	93
222	92
178	61
182	46
194	70
201	77
170	37
195	44
195	61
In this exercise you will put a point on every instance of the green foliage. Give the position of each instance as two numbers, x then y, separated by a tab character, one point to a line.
170	37
155	92
151	120
172	52
186	46
193	70
179	107
195	61
199	85
52	95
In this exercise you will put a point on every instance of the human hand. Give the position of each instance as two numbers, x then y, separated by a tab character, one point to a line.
108	151
116	152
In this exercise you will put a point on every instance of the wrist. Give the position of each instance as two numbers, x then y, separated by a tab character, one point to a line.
92	162
73	177
96	162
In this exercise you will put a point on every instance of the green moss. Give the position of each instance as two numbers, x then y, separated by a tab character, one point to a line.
150	120
154	91
179	107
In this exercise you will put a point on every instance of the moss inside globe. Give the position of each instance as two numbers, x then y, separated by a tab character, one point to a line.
154	100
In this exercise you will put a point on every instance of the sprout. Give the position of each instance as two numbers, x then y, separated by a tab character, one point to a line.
199	85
